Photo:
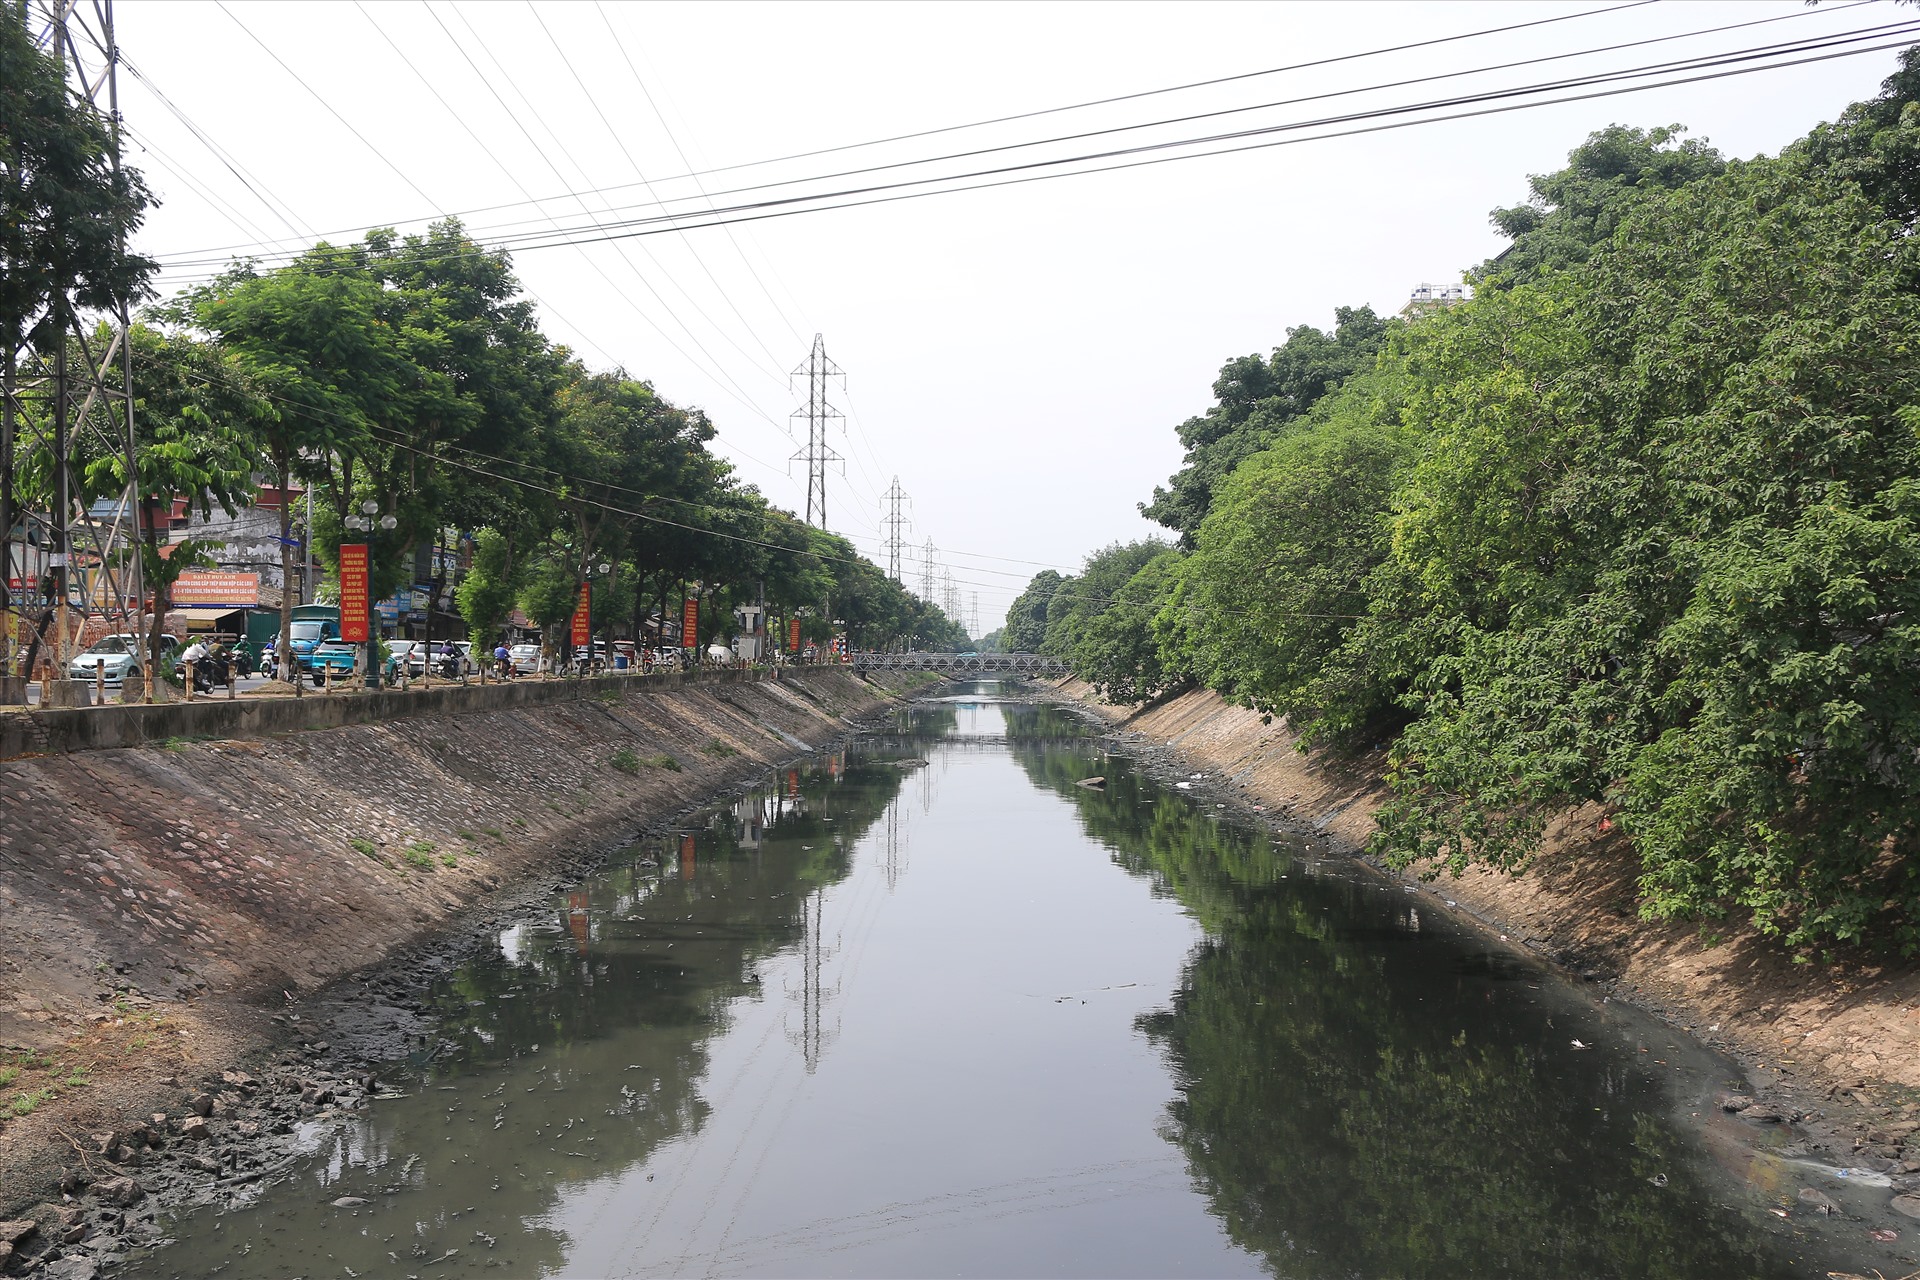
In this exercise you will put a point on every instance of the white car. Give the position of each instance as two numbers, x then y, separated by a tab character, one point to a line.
525	659
406	657
118	656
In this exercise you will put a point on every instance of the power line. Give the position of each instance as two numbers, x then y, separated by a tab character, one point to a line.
1016	175
1162	122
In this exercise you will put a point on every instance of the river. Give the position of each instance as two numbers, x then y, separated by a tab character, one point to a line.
928	1007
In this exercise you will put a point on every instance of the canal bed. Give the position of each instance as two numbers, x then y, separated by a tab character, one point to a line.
928	1006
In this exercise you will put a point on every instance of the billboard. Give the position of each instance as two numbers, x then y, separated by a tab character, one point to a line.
353	592
583	617
690	624
216	589
793	635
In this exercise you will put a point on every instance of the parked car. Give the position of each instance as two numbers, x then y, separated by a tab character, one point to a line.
336	656
120	655
525	658
406	657
467	665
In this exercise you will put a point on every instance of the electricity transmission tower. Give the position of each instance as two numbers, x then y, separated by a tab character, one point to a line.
896	524
67	379
928	571
819	415
973	615
949	595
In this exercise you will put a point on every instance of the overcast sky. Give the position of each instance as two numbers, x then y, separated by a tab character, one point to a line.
1018	356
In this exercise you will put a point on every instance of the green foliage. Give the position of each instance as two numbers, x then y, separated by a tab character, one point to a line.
1026	628
360	844
1255	400
626	760
661	761
719	749
1570	212
1078	601
418	855
1120	651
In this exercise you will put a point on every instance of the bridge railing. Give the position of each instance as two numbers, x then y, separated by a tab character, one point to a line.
1012	663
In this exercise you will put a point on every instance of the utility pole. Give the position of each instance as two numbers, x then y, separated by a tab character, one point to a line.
896	525
68	381
819	415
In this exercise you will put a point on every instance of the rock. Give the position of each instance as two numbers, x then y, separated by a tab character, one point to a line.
202	1104
12	1233
1733	1101
1761	1113
239	1080
122	1191
348	1202
1907	1204
70	1269
75	1233
194	1128
1817	1200
205	1164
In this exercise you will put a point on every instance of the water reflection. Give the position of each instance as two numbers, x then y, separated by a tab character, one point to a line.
928	1006
1361	1093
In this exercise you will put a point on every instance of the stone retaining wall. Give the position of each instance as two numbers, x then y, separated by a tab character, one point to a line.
271	860
56	731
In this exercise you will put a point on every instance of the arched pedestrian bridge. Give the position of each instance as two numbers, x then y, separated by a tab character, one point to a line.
1022	664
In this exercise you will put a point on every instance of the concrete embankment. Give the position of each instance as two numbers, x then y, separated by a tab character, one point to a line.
159	900
1842	1036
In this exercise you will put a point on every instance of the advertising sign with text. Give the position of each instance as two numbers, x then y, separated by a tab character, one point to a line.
690	625
353	592
583	617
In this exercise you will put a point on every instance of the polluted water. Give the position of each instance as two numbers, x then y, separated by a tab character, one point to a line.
926	1005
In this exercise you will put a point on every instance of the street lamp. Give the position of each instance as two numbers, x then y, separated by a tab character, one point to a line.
366	522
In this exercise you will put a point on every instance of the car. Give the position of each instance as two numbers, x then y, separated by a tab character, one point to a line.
720	655
467	665
406	657
117	657
341	657
525	659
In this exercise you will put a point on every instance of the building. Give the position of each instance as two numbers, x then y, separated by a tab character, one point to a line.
1426	300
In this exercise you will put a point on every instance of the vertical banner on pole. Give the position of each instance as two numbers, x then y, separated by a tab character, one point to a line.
583	617
690	625
353	592
793	635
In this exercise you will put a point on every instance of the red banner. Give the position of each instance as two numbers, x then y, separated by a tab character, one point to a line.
690	624
793	635
353	592
583	617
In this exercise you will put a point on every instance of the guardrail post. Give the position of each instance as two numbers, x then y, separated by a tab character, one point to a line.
100	682
189	683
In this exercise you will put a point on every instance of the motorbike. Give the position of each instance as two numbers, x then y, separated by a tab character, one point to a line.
447	666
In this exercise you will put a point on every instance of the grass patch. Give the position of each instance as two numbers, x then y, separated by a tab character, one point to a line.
361	844
464	835
493	832
662	761
626	760
24	1104
449	861
715	747
8	1075
419	854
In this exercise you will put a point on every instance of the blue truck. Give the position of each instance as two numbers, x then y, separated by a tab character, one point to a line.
317	647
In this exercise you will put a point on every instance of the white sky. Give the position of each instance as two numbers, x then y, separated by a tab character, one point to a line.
1020	356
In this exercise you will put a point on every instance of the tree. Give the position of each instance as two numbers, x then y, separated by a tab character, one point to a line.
1027	615
1254	401
1081	599
67	212
1569	212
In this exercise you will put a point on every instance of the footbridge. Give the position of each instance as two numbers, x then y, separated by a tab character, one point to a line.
1022	664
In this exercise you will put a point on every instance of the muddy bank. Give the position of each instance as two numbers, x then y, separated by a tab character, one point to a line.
170	908
1835	1048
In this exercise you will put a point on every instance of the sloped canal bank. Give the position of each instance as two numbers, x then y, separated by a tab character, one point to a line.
929	1006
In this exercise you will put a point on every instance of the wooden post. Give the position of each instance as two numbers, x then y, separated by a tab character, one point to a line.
189	684
99	682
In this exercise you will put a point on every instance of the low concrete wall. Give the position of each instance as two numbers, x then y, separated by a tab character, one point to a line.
57	731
